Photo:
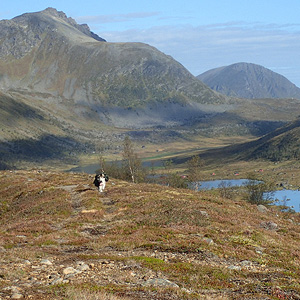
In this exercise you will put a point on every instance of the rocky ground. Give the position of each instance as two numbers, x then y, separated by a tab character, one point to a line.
61	239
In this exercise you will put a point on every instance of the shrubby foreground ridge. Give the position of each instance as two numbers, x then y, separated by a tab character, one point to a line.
60	239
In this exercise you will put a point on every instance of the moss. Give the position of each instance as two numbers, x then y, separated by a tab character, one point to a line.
152	262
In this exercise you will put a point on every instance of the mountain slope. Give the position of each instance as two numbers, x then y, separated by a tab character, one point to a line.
29	133
281	144
250	81
48	53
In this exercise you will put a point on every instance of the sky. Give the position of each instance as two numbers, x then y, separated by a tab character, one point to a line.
200	34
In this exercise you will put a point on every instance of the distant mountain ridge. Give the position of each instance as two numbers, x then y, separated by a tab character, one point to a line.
251	81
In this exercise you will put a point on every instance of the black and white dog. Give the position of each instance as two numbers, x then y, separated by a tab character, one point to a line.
100	181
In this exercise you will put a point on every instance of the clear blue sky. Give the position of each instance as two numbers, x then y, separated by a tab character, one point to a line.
200	34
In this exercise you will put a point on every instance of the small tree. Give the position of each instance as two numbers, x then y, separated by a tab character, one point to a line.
113	168
102	163
132	164
258	192
194	171
102	149
173	179
226	190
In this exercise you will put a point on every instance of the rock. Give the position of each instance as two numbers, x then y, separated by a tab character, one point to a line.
14	289
245	263
57	281
81	266
89	211
160	282
69	270
262	208
17	296
204	213
269	225
259	250
208	241
236	268
107	201
46	262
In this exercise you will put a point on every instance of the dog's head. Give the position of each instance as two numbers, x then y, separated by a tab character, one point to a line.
101	178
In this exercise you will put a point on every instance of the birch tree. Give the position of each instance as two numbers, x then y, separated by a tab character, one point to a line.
194	170
131	162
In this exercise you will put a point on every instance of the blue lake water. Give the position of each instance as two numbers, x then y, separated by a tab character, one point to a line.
290	198
214	184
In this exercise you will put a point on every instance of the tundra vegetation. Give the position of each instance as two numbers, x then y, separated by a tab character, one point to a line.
61	240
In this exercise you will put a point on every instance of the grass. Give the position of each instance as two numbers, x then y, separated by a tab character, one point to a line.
74	293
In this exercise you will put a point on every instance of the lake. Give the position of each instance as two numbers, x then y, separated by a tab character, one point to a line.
90	169
290	198
214	184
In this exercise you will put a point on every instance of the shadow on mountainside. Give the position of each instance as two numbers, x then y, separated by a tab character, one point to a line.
45	148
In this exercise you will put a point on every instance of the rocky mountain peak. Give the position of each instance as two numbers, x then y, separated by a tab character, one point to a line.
84	28
54	12
19	35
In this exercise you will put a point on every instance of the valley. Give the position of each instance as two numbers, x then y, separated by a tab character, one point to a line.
55	112
68	100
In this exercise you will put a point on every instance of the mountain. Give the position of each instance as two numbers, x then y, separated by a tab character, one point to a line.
249	81
64	90
49	56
